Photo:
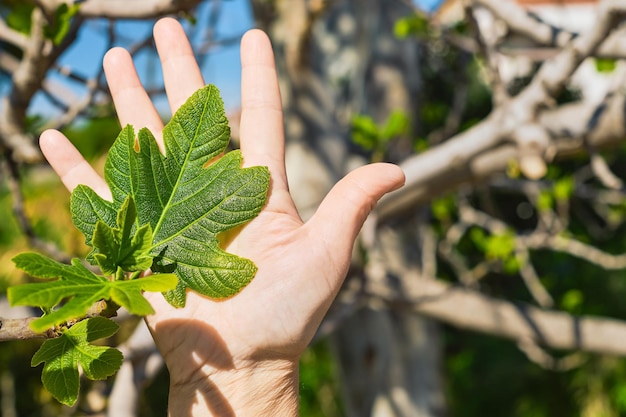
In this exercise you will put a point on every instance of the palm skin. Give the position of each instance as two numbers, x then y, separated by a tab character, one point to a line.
239	355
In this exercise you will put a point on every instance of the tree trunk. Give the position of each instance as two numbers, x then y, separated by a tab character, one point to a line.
389	364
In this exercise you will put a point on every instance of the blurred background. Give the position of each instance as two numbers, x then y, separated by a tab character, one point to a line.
492	284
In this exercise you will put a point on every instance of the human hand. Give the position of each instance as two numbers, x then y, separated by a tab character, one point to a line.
239	355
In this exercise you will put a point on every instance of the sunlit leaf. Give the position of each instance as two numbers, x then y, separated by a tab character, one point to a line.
187	196
63	355
81	286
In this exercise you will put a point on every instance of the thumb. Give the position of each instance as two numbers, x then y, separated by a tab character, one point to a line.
342	213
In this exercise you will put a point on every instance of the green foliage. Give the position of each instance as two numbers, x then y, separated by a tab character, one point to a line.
572	301
185	197
83	286
19	17
605	65
414	25
117	248
497	247
165	216
60	23
63	355
443	208
375	138
545	201
319	383
563	189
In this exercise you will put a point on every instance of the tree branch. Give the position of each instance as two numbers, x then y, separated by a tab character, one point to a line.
129	9
486	149
471	310
19	329
11	36
519	21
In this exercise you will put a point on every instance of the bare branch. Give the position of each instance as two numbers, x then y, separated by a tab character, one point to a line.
26	80
19	329
471	310
519	21
129	9
575	248
547	361
487	46
604	173
531	279
8	62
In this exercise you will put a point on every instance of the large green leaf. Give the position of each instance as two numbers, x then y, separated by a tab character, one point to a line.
187	196
82	286
63	355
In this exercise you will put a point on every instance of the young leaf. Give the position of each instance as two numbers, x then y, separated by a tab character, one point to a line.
83	286
185	196
117	247
63	355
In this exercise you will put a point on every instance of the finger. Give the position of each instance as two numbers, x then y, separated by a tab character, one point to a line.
261	130
180	70
131	101
341	215
69	164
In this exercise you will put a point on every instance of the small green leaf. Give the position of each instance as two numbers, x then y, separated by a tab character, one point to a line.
82	286
563	189
19	17
60	23
511	265
185	196
443	208
415	25
545	201
397	124
605	65
88	208
478	236
118	247
572	300
63	355
500	246
365	132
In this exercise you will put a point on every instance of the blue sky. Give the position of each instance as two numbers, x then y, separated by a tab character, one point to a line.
221	67
428	5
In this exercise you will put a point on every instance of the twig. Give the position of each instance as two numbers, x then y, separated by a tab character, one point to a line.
603	172
574	248
530	278
19	329
471	310
547	361
519	21
487	47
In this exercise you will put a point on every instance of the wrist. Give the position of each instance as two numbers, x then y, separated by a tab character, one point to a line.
263	388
